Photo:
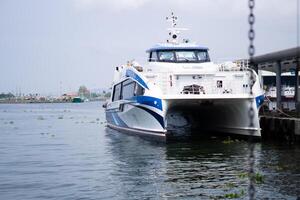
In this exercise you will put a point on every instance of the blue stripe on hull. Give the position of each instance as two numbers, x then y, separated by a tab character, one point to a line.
157	135
113	118
259	100
149	101
158	117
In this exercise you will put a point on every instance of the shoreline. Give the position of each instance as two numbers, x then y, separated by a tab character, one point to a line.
40	102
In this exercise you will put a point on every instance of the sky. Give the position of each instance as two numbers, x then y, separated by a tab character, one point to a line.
54	46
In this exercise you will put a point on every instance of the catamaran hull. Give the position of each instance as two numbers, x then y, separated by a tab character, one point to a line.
196	117
183	118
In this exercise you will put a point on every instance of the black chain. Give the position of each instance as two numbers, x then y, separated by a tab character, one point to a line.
298	62
251	52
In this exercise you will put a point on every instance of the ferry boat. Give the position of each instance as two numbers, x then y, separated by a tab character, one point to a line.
77	100
180	91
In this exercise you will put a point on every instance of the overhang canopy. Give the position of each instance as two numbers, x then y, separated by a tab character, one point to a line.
287	58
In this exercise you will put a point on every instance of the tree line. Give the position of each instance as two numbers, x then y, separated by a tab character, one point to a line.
6	95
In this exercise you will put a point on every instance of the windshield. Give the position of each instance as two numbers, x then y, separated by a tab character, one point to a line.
166	56
196	56
202	56
185	56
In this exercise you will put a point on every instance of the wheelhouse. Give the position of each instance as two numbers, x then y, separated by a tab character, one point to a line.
183	54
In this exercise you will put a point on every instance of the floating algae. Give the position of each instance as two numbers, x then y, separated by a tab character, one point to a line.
235	195
60	117
228	141
230	185
41	118
257	177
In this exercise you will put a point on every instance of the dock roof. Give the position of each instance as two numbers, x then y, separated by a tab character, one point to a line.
287	58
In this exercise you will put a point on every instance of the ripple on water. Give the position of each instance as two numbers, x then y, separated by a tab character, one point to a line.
88	161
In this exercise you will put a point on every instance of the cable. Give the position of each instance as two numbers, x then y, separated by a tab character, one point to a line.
279	110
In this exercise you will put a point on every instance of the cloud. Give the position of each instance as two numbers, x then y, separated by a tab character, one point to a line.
218	7
115	5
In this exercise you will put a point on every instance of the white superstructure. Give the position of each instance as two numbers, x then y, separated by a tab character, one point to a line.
180	91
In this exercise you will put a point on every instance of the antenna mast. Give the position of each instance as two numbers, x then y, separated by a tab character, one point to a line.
174	31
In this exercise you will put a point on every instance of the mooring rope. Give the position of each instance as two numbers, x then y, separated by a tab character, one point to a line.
279	110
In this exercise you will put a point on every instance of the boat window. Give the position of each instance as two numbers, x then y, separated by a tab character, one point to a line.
181	56
153	56
186	56
128	81
202	56
128	90
139	90
166	56
117	92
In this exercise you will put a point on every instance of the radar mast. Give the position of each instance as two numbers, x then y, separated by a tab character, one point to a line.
174	32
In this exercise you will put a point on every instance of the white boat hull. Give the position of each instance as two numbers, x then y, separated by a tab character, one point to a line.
169	118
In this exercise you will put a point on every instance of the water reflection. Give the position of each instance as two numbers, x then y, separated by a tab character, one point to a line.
280	164
206	169
138	165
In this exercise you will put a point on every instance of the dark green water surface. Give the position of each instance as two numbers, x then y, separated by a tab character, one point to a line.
65	151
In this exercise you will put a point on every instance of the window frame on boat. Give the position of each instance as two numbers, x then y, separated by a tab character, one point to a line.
138	90
154	56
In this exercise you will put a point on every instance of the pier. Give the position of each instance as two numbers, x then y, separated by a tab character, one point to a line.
277	124
278	62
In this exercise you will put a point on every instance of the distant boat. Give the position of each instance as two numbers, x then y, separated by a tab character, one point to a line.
77	100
